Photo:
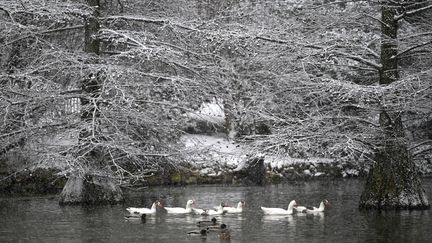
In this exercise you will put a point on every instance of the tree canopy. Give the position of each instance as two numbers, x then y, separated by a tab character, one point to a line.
296	77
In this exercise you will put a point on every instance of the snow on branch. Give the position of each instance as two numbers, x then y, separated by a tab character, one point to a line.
413	47
360	59
416	35
109	33
272	40
412	12
7	13
146	20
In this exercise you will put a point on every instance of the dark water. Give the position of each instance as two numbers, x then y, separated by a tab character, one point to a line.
41	219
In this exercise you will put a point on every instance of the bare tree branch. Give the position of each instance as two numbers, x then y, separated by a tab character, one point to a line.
412	48
412	12
360	59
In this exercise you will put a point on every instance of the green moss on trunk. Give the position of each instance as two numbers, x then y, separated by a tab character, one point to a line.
393	182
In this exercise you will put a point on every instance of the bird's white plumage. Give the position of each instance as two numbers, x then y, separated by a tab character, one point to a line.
280	211
178	210
151	210
320	208
237	209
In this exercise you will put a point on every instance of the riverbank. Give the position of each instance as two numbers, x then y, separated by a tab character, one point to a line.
44	181
208	159
51	180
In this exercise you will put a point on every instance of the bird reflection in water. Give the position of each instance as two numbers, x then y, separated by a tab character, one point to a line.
287	218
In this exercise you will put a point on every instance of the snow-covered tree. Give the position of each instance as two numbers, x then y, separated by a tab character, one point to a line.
300	78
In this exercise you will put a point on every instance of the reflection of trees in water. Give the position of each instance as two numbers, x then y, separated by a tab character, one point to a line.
280	218
398	226
386	226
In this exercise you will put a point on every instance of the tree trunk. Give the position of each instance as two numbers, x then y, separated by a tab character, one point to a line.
252	171
91	189
92	26
230	119
91	44
393	181
389	27
91	86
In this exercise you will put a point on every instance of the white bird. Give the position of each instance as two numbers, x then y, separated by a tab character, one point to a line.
151	210
177	210
221	205
219	211
237	209
280	211
307	209
199	211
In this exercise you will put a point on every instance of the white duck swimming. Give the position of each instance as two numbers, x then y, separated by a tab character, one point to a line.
237	209
177	210
217	211
221	205
280	211
306	209
151	210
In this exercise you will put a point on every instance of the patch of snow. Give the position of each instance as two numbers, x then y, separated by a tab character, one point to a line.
241	163
206	171
350	172
217	151
209	112
307	172
217	143
280	161
319	174
215	174
209	151
406	199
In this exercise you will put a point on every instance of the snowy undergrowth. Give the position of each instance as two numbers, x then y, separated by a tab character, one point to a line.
215	154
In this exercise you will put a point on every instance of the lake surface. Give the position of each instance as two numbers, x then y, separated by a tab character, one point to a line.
41	219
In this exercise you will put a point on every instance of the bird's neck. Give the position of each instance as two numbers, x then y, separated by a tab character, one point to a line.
290	207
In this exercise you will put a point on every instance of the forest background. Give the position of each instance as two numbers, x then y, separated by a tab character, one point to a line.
111	85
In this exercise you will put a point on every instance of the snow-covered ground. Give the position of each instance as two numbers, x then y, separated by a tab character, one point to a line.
216	152
212	150
212	112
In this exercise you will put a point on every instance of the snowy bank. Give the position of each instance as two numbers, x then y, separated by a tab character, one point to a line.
215	154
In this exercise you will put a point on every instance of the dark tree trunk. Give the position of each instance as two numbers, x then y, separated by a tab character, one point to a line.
90	189
389	27
91	44
92	85
230	118
252	172
393	181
